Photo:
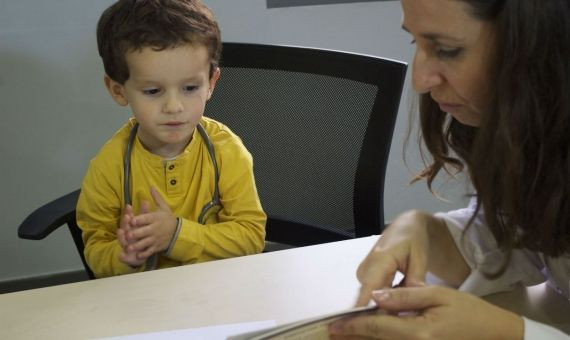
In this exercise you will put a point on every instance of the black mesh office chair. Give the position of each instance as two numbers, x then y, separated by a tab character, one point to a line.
319	125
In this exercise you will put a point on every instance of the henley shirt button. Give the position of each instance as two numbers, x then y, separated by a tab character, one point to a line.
172	182
171	167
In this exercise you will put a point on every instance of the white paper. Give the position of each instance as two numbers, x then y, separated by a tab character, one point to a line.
220	332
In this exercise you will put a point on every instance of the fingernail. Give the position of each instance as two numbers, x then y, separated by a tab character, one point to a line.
381	295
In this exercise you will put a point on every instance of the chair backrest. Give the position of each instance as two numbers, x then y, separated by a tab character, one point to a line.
319	125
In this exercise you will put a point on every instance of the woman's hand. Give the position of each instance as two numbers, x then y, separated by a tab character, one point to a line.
413	244
404	247
431	313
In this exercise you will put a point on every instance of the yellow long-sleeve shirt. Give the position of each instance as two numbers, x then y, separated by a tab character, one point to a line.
186	184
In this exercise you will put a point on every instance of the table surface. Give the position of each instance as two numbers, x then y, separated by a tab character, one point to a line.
284	286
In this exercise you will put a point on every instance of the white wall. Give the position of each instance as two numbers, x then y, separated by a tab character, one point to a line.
55	113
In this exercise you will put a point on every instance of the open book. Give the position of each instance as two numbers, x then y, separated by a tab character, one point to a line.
308	329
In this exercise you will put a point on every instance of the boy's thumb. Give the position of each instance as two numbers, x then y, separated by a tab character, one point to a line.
158	199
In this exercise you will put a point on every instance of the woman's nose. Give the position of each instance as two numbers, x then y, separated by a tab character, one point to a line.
426	74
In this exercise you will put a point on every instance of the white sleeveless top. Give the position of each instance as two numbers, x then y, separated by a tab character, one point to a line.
528	268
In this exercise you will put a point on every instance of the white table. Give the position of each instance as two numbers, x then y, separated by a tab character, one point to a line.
284	286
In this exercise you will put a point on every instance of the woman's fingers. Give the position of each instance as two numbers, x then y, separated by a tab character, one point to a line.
364	295
377	327
412	298
378	276
415	275
394	325
379	270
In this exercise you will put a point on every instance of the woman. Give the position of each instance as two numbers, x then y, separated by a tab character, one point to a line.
494	81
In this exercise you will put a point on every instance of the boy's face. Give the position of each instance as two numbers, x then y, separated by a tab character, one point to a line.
167	91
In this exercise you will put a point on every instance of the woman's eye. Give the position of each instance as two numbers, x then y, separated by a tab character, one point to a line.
151	92
447	53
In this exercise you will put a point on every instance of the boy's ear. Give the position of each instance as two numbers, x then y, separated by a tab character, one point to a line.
213	79
116	90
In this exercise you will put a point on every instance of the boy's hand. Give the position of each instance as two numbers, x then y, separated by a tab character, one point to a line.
152	231
128	257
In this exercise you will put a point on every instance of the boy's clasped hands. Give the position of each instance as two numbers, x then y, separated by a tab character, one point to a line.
147	233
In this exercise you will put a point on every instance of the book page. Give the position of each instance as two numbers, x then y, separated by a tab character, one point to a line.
219	332
312	329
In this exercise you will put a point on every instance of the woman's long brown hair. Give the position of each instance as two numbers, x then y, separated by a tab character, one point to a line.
518	159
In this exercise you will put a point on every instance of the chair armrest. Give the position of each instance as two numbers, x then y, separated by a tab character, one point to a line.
49	217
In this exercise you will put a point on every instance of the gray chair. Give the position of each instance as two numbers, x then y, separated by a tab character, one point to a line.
319	125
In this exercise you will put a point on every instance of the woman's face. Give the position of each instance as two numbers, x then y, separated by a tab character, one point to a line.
452	61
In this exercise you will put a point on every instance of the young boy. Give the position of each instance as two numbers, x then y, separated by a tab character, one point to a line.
190	178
